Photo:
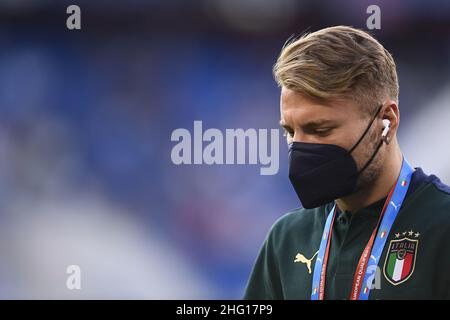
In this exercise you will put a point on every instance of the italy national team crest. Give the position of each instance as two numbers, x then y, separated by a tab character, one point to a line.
401	257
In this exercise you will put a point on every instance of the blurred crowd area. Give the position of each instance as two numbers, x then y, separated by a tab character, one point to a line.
86	117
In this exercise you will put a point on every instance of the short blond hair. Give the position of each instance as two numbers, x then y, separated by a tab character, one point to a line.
339	62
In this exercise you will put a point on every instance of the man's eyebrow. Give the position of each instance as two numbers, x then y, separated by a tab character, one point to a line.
285	126
310	124
318	123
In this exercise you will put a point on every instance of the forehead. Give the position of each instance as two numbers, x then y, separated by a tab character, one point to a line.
300	108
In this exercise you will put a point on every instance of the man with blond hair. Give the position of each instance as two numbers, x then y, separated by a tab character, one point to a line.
372	226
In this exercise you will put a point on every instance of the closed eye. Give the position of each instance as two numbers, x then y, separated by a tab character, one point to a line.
323	131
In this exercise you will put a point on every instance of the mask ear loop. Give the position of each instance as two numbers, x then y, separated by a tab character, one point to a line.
367	130
372	157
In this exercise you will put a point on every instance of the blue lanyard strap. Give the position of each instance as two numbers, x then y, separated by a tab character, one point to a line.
389	216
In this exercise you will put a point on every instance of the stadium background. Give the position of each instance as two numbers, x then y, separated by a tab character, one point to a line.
86	117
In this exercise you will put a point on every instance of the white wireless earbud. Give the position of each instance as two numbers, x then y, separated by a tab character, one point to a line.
387	127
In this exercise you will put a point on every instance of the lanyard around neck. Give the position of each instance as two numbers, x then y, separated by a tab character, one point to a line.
374	248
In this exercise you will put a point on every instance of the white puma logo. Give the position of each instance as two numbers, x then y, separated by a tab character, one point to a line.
394	205
301	258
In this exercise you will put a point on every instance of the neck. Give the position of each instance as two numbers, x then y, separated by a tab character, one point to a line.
378	189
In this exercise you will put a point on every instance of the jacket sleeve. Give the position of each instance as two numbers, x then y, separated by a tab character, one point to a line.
264	282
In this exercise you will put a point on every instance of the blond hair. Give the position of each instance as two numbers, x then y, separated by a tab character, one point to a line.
339	62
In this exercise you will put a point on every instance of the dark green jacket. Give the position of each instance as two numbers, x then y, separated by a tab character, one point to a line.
415	263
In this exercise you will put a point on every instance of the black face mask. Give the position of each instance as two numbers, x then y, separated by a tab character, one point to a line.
321	173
